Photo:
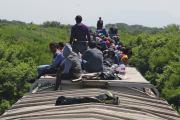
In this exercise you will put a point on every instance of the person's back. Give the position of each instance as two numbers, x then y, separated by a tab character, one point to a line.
111	58
76	65
80	35
99	24
80	32
71	64
70	67
113	31
94	60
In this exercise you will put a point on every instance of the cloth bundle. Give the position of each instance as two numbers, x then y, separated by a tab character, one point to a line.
107	98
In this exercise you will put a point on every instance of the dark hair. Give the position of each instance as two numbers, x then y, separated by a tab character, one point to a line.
61	44
78	19
53	44
92	44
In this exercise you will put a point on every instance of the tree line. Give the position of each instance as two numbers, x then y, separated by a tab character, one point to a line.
24	46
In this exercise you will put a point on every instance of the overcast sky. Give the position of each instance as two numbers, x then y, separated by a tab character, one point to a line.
144	12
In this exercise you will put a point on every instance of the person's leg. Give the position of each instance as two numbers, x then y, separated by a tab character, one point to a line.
83	64
42	69
58	79
75	48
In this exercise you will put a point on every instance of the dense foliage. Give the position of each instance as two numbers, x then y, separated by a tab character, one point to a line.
157	56
24	46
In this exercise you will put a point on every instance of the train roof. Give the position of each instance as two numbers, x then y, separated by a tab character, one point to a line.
134	104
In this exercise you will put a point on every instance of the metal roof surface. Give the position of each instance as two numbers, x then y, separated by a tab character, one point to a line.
133	105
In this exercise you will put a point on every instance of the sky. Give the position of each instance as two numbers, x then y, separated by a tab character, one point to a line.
153	13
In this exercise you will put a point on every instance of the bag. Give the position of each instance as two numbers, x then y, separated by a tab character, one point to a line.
107	98
107	76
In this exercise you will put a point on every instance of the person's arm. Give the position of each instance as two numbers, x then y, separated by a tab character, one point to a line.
72	36
67	67
57	60
88	35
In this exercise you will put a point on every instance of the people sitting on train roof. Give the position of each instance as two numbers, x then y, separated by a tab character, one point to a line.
110	57
52	68
102	31
57	59
113	31
92	60
99	24
80	35
70	68
123	59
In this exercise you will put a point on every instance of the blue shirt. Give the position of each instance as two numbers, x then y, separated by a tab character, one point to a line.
57	59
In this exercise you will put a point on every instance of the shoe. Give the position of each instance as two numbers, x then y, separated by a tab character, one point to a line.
32	80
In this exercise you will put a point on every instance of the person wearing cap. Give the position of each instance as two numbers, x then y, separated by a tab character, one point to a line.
92	59
80	36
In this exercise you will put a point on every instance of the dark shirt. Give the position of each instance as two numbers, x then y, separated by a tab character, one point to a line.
71	66
99	24
113	31
80	32
94	58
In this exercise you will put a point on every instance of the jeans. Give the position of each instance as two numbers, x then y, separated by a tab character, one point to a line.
45	69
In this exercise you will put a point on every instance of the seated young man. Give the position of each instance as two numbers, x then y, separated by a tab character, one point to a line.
57	59
111	58
92	60
70	68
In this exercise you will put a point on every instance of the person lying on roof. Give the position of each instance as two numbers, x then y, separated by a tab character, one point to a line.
70	68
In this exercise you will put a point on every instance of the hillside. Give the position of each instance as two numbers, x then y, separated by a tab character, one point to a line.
24	46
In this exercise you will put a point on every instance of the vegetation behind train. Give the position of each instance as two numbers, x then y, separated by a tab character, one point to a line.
23	47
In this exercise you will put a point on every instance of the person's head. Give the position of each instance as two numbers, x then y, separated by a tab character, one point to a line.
99	18
61	45
78	19
53	47
92	44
